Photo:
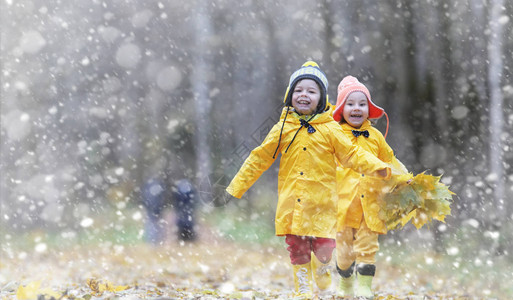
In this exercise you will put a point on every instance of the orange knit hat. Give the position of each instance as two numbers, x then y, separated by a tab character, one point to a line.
351	84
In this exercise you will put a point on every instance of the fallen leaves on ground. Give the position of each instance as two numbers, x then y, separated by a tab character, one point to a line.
99	286
32	290
211	268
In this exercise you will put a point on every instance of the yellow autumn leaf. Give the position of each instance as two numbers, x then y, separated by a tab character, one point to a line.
98	287
408	217
428	182
32	291
29	291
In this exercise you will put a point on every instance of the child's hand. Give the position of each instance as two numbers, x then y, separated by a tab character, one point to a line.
227	197
383	173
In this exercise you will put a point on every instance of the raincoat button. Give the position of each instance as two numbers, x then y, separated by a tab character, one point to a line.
363	175
362	196
301	173
298	200
304	148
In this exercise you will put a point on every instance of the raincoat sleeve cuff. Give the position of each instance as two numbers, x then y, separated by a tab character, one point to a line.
398	167
230	190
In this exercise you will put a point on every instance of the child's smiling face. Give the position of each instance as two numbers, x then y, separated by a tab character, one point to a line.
306	96
356	109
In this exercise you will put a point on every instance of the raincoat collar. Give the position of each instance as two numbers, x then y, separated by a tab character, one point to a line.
288	115
365	126
294	117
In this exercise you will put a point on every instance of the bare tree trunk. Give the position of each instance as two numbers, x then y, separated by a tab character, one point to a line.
496	110
328	8
442	95
202	102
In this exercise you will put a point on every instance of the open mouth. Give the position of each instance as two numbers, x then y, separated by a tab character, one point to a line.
356	115
304	102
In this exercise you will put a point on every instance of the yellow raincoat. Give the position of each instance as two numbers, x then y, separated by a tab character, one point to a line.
356	195
307	199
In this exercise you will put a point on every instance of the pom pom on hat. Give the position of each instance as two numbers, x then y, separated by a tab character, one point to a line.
309	70
347	86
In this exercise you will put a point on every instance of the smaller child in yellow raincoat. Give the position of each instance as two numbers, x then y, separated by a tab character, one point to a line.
358	224
309	141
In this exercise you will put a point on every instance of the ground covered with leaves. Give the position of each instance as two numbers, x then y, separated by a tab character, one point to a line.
213	267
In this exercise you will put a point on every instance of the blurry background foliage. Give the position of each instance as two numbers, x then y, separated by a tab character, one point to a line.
97	97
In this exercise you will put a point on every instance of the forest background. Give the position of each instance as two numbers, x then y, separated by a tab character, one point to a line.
98	97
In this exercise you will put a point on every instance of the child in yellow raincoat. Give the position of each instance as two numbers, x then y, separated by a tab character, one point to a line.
358	225
309	141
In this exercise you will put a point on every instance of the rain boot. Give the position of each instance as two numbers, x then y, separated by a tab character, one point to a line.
303	281
345	286
321	273
364	278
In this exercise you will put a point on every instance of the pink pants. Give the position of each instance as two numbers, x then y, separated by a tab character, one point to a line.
301	248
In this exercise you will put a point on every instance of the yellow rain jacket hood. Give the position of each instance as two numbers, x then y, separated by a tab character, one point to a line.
356	196
307	198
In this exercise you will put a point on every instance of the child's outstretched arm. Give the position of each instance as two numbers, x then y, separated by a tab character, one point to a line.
260	159
356	158
387	155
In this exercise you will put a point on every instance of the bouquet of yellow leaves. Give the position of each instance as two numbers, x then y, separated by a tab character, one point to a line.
419	199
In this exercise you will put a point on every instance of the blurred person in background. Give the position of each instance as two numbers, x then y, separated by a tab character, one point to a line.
157	196
184	205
